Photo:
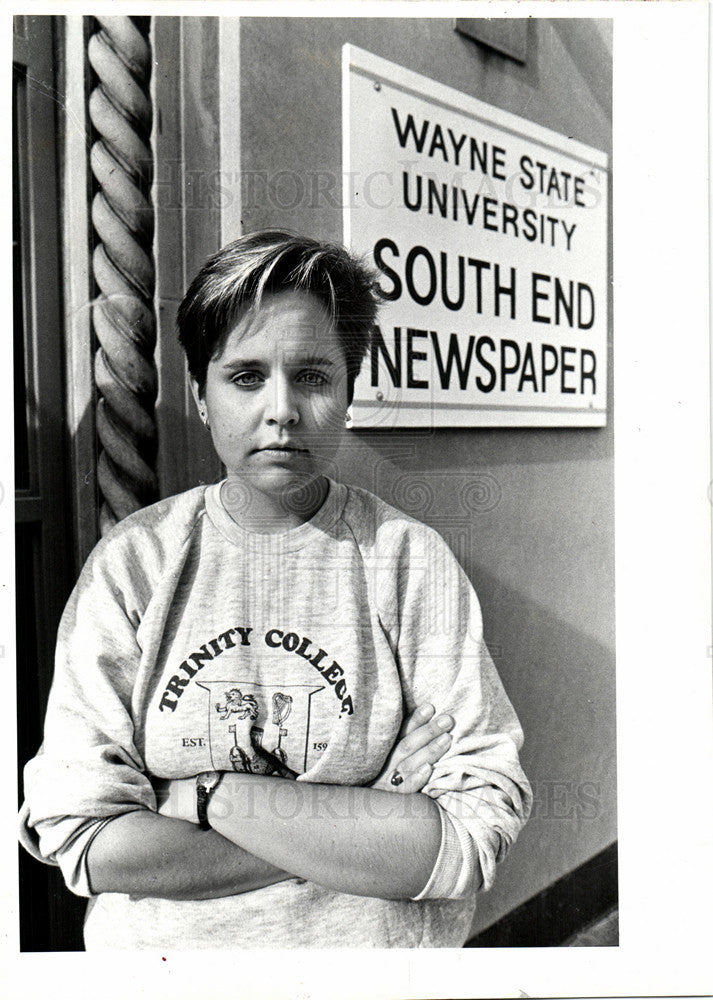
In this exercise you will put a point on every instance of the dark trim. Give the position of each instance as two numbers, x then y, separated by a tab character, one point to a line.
559	911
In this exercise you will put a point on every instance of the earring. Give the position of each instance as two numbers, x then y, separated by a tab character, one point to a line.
347	418
204	418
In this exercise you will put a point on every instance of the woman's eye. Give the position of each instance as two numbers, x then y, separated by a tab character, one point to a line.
311	377
246	378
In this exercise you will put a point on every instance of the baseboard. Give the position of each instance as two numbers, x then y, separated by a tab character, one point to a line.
560	910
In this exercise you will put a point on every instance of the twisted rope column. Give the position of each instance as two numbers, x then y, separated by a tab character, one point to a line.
123	218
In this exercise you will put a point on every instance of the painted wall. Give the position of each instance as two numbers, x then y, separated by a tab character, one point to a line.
541	554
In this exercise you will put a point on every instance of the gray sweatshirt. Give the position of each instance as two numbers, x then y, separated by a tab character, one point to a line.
190	644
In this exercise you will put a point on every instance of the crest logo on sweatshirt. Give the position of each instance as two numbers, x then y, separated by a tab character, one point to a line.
259	728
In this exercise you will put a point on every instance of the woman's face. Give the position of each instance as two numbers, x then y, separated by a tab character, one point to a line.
276	395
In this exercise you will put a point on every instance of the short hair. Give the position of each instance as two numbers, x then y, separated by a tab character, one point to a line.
236	278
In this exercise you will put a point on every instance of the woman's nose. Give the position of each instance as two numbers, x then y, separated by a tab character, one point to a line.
282	406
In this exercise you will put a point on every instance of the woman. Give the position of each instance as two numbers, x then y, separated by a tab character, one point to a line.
243	656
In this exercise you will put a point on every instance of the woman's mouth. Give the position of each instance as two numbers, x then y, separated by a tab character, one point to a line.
284	450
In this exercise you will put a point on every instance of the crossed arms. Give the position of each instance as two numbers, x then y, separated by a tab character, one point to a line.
364	841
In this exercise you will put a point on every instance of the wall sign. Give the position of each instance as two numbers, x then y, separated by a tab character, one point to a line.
490	236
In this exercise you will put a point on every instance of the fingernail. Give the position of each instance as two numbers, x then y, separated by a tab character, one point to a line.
444	740
426	711
444	722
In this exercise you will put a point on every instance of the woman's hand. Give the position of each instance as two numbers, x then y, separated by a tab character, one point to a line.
425	739
177	799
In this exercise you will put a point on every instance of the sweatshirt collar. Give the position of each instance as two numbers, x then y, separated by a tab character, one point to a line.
284	541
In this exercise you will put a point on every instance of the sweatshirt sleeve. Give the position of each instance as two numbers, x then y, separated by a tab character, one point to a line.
480	787
88	769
